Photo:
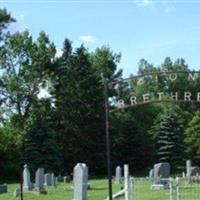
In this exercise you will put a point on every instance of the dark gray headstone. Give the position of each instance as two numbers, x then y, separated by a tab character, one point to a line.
161	171
3	188
193	171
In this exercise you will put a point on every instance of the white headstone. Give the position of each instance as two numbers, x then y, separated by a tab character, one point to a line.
27	185
39	179
16	193
151	174
80	181
118	175
188	166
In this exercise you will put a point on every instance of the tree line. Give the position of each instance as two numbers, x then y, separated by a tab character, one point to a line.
67	125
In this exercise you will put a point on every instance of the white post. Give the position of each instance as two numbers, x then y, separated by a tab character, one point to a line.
188	166
131	189
177	189
171	188
126	182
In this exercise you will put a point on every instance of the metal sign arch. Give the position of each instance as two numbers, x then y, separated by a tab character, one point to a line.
172	75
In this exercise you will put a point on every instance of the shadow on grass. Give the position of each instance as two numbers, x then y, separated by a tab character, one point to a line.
92	189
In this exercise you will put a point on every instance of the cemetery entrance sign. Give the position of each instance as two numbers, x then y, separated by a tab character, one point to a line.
127	96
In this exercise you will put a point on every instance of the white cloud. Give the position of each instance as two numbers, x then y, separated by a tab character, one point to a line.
43	94
87	38
59	53
143	3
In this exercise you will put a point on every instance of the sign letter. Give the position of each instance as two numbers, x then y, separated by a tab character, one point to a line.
174	97
133	100
187	96
146	97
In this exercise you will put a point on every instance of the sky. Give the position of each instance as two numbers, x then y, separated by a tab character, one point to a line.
149	29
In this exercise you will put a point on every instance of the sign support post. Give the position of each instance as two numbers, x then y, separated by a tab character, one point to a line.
108	140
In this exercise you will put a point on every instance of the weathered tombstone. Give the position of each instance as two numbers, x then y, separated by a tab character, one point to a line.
53	183
47	180
151	174
188	166
183	174
118	175
3	188
161	171
39	179
56	180
80	181
27	185
16	193
67	179
193	171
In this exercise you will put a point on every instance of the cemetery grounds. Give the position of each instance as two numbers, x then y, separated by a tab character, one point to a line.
98	191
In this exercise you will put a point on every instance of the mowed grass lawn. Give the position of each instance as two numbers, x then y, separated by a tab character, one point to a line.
63	191
99	191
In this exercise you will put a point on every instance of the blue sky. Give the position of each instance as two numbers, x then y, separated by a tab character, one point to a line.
150	29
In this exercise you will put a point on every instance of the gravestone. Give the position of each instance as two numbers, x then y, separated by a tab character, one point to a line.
161	171
3	188
188	166
118	175
66	179
27	185
47	180
193	171
39	179
56	180
183	174
151	174
53	181
80	181
16	193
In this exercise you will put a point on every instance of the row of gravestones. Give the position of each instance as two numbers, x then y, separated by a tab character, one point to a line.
161	172
41	179
80	179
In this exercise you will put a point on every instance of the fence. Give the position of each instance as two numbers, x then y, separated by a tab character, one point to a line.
178	189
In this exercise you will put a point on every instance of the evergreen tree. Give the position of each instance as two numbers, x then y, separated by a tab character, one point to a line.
168	133
192	138
40	148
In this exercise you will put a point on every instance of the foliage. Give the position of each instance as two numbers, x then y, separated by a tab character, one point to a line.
40	148
192	138
168	133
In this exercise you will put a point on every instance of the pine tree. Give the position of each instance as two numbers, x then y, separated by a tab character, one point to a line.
192	138
40	148
168	134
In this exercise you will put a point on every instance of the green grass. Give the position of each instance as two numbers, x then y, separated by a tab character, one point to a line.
63	191
99	191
